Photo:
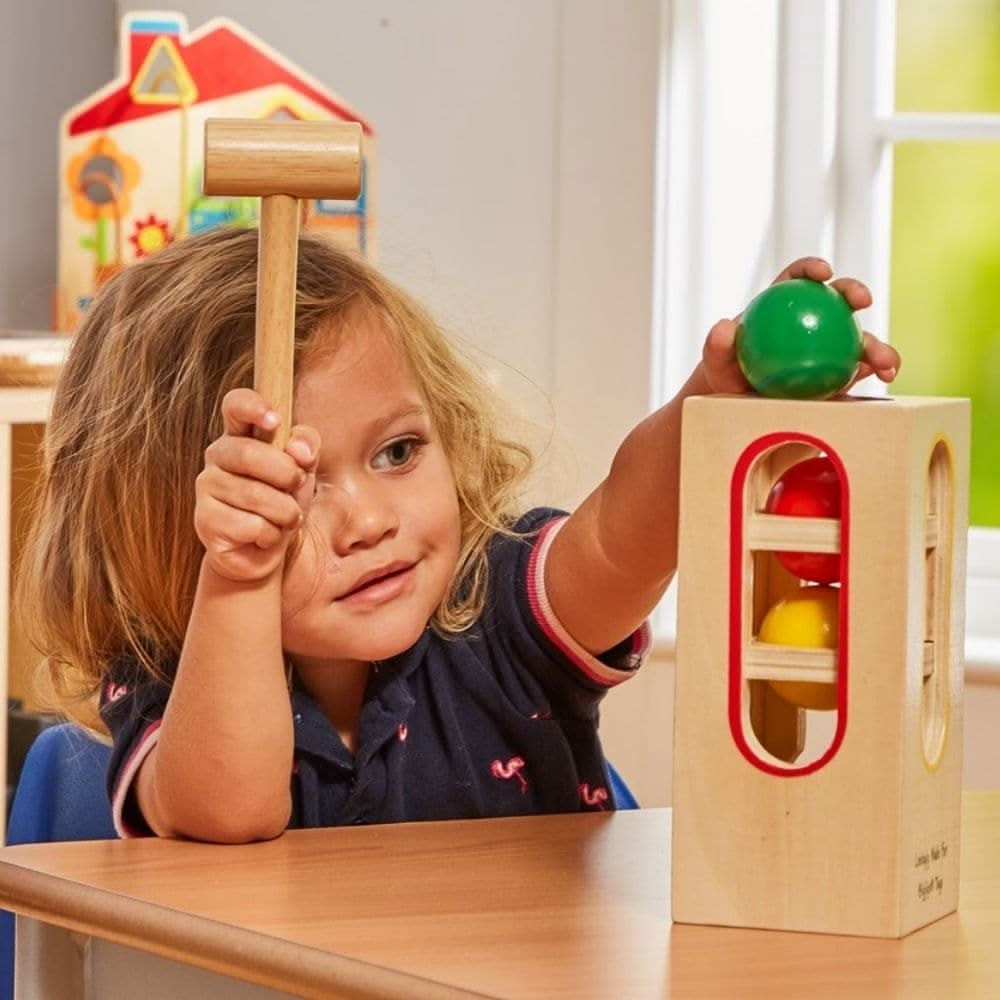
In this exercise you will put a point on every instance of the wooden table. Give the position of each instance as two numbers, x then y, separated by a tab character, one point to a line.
550	906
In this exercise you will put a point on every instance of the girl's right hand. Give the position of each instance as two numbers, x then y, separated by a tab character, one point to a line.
251	497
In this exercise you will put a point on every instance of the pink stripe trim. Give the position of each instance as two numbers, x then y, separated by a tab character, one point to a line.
147	741
557	634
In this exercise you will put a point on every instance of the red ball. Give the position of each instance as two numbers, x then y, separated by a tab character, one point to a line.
808	489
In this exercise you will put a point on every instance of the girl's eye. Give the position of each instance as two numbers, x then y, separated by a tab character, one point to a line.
396	454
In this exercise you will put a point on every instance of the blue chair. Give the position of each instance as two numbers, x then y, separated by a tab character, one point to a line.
60	796
620	792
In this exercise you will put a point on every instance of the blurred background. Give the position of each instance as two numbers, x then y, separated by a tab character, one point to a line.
945	283
580	188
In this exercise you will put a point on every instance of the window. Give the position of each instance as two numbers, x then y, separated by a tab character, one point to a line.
868	131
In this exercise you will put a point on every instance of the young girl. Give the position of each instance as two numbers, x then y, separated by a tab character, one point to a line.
360	627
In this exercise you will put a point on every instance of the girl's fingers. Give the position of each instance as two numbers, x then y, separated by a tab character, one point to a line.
254	497
245	528
244	409
720	344
251	495
268	535
719	358
806	267
856	293
303	446
246	456
226	528
864	370
881	358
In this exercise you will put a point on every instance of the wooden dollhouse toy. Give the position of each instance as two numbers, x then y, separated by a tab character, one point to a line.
130	154
818	712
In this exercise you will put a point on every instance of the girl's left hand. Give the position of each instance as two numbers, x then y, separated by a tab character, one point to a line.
722	371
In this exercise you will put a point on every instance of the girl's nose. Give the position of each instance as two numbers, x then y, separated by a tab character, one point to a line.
368	518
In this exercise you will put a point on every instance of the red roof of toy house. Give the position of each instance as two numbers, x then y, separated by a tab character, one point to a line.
207	54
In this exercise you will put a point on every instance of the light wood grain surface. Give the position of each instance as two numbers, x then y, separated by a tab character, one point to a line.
549	906
875	781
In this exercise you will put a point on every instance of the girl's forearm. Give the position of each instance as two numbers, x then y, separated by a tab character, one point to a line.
640	502
620	547
222	766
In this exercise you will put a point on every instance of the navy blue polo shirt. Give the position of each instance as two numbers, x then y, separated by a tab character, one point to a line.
500	720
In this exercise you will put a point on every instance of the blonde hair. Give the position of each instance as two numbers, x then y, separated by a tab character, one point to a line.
111	563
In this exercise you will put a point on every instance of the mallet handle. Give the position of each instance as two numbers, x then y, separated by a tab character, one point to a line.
274	348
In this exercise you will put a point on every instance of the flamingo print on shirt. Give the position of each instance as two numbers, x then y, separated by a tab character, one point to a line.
597	797
115	691
512	769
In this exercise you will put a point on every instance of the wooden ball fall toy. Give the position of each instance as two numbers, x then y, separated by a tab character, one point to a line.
820	639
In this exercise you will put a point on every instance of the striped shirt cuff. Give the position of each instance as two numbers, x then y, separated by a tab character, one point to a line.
140	752
588	664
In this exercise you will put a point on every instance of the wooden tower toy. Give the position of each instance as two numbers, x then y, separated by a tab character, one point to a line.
818	712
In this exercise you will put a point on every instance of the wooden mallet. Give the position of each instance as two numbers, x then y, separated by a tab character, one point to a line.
280	162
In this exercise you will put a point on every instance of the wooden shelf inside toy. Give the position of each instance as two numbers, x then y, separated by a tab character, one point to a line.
764	661
779	532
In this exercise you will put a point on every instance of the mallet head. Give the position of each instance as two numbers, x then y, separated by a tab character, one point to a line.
258	158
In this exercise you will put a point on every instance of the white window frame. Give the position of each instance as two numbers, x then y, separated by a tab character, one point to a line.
832	137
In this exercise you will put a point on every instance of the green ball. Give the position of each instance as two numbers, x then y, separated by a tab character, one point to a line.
799	339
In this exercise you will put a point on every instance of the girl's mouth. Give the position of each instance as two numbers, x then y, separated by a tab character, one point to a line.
380	586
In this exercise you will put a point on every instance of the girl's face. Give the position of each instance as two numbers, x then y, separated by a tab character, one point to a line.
381	542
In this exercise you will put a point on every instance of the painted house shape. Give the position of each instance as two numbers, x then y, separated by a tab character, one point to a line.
132	153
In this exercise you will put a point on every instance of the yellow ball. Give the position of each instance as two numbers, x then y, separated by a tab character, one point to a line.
808	618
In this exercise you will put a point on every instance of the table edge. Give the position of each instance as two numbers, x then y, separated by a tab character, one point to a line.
209	944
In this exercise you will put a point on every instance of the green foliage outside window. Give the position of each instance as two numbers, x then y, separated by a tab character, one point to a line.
945	294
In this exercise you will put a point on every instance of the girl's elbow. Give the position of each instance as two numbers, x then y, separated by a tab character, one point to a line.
234	826
231	833
216	813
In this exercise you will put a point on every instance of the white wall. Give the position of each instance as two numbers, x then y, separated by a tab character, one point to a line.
46	63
